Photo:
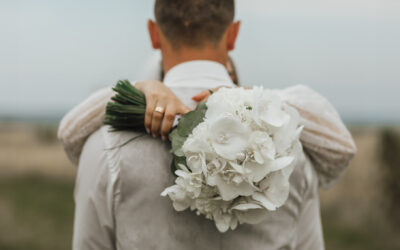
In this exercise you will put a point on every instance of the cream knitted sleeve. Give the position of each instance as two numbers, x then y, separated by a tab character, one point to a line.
79	123
325	138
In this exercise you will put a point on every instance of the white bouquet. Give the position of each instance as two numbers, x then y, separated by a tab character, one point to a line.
234	155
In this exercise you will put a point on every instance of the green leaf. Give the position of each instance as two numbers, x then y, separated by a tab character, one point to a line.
180	133
190	120
185	127
177	142
176	161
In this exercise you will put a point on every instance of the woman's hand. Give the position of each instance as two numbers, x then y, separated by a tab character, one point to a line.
203	95
161	107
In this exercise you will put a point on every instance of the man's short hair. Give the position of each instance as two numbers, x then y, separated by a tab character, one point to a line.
194	23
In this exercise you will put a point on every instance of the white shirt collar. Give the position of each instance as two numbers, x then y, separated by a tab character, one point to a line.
198	73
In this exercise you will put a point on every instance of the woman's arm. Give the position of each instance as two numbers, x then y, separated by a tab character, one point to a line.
88	116
85	118
325	138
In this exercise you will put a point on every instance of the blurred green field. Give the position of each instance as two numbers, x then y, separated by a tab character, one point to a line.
37	182
36	212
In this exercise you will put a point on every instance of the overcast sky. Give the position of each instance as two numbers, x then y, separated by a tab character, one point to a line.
53	53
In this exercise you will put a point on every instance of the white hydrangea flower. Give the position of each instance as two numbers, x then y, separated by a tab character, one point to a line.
228	136
262	146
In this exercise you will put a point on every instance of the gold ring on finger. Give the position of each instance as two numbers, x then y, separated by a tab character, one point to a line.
159	110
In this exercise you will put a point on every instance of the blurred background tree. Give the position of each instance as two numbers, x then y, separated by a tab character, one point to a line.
390	155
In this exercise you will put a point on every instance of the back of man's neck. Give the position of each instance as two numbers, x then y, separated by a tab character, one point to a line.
172	59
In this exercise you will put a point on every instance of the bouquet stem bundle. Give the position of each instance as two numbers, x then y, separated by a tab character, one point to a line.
127	112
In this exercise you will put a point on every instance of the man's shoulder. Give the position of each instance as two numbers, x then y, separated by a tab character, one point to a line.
120	147
128	144
137	158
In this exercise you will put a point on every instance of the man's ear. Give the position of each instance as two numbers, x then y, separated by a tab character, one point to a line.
233	31
154	33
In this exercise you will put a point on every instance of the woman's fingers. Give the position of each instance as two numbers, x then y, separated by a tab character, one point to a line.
157	117
169	117
161	107
150	107
160	115
168	121
201	96
183	109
